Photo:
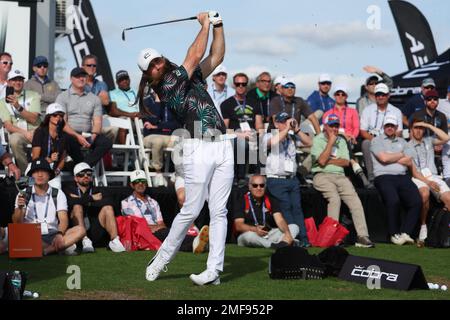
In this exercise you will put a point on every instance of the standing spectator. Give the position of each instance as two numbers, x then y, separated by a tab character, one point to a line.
159	125
258	219
320	100
422	152
20	115
86	201
40	82
142	205
444	107
417	102
373	121
261	96
277	84
6	64
368	97
219	90
390	164
123	102
294	106
48	209
430	114
281	168
83	120
244	119
330	156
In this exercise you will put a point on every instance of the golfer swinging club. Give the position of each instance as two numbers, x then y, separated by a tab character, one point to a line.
208	157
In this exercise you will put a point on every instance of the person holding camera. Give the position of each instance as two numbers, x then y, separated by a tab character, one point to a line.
6	160
258	220
281	169
372	123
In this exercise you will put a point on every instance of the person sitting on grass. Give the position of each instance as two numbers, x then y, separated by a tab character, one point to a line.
258	219
90	206
48	206
141	205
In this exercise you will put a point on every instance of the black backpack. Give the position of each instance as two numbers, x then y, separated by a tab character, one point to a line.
439	229
29	192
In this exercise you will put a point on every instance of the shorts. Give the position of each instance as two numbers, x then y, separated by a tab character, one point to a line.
442	186
48	238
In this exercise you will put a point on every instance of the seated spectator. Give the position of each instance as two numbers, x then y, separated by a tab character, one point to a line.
6	64
417	102
20	115
83	121
6	161
245	120
368	97
444	107
261	96
430	114
281	169
48	206
390	164
373	121
47	88
123	102
49	140
294	106
159	124
141	205
319	101
90	207
219	90
258	219
330	156
422	153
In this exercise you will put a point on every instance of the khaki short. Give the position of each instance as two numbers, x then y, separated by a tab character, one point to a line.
442	186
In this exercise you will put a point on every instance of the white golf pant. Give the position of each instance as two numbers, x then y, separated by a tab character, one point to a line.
208	174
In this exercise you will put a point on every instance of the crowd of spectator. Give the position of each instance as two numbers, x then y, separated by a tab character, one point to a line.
405	154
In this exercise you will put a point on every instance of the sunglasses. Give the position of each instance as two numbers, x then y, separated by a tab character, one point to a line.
325	83
84	174
379	94
58	115
289	86
91	65
432	99
256	185
7	62
40	66
340	94
241	84
140	181
429	88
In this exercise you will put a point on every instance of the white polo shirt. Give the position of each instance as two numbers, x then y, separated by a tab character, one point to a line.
372	119
36	209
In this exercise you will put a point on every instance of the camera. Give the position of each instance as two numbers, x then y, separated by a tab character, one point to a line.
9	91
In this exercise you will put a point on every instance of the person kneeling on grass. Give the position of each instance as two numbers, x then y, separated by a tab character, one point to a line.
258	219
48	206
141	205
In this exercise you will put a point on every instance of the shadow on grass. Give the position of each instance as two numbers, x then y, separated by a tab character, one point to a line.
238	267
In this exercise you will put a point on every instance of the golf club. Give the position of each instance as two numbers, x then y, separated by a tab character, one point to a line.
155	24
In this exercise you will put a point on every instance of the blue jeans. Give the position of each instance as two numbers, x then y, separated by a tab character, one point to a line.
287	192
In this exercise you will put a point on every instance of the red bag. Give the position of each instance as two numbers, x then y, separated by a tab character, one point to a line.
135	234
330	234
311	230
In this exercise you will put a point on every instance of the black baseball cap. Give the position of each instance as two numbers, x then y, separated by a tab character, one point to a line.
76	72
41	164
122	74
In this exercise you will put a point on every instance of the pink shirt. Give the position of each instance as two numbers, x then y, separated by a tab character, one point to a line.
148	209
349	120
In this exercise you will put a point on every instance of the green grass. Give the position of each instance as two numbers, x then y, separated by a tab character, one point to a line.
105	275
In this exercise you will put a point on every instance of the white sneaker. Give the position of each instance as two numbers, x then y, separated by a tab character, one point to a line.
159	180
423	234
398	240
201	240
154	268
71	251
116	246
205	278
87	245
407	238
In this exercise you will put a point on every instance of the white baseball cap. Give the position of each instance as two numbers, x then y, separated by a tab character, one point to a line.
137	175
15	74
220	69
390	119
341	87
55	108
286	81
82	166
279	80
146	56
324	78
382	88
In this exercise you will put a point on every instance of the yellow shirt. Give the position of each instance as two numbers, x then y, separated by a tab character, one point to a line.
30	100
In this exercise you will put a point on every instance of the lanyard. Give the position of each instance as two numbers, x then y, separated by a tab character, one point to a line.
241	106
148	205
79	192
224	92
250	202
419	163
384	117
35	208
284	107
128	98
262	108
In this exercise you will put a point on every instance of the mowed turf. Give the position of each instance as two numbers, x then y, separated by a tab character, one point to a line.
105	275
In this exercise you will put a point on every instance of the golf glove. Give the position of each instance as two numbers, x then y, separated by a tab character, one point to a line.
214	18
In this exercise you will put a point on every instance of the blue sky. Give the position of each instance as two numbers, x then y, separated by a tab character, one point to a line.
299	39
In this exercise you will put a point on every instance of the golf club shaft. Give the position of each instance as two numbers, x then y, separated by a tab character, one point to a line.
155	24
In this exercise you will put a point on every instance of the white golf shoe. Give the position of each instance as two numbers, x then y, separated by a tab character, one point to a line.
154	268
205	278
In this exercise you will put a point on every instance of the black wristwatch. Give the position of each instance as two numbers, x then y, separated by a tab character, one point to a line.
296	132
20	109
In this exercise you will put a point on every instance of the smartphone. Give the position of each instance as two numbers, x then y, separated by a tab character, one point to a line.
9	91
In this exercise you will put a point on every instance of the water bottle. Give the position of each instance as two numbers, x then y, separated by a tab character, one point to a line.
16	281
